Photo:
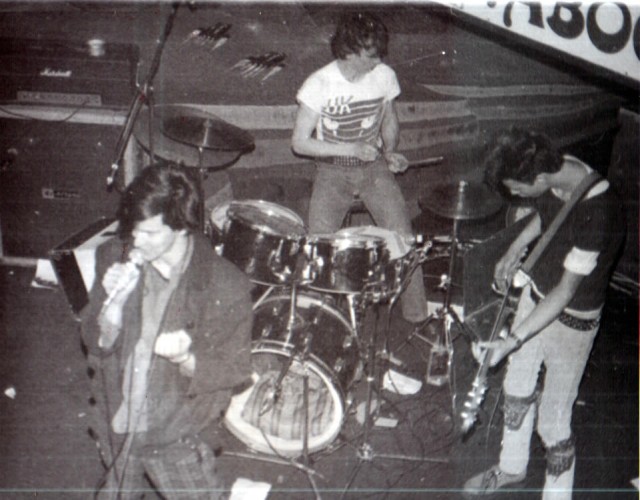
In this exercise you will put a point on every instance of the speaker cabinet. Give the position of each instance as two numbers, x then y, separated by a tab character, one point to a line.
52	182
66	73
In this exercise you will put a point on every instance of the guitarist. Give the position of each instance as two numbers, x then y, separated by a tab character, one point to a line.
558	314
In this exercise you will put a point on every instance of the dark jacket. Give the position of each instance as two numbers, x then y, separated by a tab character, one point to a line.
212	303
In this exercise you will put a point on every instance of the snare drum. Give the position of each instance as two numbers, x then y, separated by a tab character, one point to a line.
264	240
399	263
344	262
276	425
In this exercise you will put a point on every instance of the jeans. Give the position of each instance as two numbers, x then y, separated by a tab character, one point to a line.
333	191
564	353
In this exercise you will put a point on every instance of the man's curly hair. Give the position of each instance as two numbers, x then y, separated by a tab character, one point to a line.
357	31
521	156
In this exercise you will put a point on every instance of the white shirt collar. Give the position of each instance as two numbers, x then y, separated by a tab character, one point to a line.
598	188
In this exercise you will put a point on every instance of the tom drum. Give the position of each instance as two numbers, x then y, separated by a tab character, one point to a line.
264	240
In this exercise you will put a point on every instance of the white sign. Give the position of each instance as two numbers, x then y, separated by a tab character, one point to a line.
604	33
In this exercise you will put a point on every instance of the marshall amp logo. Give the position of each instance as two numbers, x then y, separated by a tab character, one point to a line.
64	73
55	73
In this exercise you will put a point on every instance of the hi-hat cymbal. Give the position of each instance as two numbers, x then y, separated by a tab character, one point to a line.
176	151
461	201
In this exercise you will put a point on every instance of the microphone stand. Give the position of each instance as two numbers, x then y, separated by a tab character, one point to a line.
142	95
302	355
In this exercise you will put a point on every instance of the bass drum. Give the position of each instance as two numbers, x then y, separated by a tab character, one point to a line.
269	416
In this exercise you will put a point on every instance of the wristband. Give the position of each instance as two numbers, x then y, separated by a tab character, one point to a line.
518	340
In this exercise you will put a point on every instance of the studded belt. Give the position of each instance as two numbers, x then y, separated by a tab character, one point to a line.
344	161
580	324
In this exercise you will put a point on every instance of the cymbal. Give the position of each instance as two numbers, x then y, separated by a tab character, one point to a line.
208	132
177	151
461	201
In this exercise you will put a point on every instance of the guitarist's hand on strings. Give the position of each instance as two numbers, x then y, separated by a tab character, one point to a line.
497	349
505	269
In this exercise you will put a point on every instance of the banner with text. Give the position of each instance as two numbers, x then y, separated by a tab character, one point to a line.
603	33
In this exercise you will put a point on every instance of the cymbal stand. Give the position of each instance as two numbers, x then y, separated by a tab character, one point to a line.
441	352
202	172
366	451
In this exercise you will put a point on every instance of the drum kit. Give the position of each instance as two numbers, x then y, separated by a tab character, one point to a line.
309	345
315	289
309	348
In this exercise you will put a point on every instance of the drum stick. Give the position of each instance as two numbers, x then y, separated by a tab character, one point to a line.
427	162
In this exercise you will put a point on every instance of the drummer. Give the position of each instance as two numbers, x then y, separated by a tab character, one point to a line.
349	104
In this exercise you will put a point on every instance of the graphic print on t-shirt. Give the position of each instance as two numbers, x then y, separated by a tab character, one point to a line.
346	120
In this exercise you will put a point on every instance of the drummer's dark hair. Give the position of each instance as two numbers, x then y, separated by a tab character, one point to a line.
356	31
520	155
162	188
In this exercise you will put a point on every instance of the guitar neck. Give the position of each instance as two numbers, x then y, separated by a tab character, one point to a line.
505	313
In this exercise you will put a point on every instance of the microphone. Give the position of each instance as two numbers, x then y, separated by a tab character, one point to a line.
132	273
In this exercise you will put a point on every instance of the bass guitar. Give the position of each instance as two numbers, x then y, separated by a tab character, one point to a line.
505	315
500	329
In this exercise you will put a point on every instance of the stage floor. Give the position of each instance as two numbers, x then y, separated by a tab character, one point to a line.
46	450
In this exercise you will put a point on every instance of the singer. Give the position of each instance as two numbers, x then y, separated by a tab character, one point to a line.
167	331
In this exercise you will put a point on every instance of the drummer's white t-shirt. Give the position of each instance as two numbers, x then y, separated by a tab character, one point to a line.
349	111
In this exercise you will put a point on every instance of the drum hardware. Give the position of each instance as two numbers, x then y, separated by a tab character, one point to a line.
194	139
357	207
278	268
416	256
288	320
461	201
366	452
299	352
401	271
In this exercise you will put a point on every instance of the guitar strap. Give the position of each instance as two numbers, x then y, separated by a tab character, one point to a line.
479	386
542	243
546	237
